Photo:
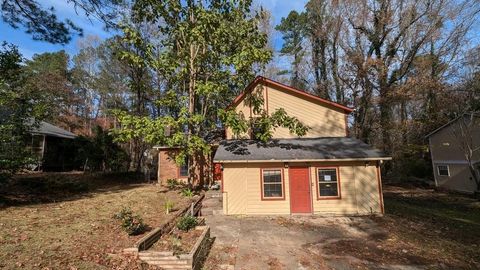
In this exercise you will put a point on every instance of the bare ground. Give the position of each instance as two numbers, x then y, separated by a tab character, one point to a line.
75	229
422	229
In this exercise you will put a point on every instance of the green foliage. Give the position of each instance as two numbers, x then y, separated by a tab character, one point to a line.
172	183
187	223
169	206
43	24
187	193
131	223
208	51
413	160
100	153
293	29
20	110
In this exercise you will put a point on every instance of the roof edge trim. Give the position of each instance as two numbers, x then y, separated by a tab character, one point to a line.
267	81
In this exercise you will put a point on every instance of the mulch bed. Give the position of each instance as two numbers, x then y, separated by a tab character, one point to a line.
178	241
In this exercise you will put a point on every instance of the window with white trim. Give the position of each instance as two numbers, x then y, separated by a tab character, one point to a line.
272	183
443	170
327	182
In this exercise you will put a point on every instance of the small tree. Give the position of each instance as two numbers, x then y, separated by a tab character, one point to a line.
466	131
20	107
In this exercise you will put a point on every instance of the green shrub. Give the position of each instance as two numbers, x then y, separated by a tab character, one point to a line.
172	183
169	206
187	222
187	192
132	224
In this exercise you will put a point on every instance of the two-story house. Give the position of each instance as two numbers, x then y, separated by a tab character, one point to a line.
325	172
449	145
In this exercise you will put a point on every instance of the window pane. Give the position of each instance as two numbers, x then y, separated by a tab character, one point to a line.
272	190
272	176
272	183
328	189
327	175
443	170
184	168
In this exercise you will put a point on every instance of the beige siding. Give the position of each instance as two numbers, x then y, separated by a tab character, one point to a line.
235	190
323	120
444	145
366	187
358	183
244	108
445	150
458	180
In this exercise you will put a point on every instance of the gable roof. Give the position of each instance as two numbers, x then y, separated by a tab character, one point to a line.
297	150
269	82
475	114
50	130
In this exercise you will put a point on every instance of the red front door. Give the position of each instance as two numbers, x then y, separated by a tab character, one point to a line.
300	199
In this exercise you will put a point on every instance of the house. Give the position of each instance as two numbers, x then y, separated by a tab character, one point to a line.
447	149
169	169
325	172
52	146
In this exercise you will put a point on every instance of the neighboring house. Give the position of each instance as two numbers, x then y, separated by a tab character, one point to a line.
447	149
52	146
325	172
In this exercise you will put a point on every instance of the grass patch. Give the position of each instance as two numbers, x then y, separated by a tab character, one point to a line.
445	226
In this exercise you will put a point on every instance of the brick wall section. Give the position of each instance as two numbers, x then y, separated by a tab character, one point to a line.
167	168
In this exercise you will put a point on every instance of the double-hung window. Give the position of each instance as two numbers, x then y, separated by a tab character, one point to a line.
328	183
272	184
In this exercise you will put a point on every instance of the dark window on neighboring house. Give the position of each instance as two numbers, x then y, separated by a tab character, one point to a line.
327	182
272	183
183	171
443	170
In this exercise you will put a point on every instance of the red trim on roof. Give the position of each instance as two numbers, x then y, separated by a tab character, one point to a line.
267	81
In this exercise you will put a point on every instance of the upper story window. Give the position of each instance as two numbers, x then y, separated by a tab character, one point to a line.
328	183
443	170
272	184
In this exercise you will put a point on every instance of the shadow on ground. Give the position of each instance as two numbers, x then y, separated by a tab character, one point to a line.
57	187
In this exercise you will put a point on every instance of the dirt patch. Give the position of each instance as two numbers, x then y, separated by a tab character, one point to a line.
178	241
220	256
274	263
375	252
81	232
421	227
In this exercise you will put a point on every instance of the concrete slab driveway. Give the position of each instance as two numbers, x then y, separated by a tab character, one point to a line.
260	243
250	243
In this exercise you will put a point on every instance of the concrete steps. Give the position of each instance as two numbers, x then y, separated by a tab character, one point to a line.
212	203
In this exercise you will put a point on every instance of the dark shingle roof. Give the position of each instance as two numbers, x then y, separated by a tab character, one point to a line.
45	128
304	149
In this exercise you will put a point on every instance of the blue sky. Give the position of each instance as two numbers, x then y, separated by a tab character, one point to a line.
29	47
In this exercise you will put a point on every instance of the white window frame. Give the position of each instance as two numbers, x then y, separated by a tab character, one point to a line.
438	170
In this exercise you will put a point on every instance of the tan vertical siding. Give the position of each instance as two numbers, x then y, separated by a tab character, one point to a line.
359	190
368	196
235	189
